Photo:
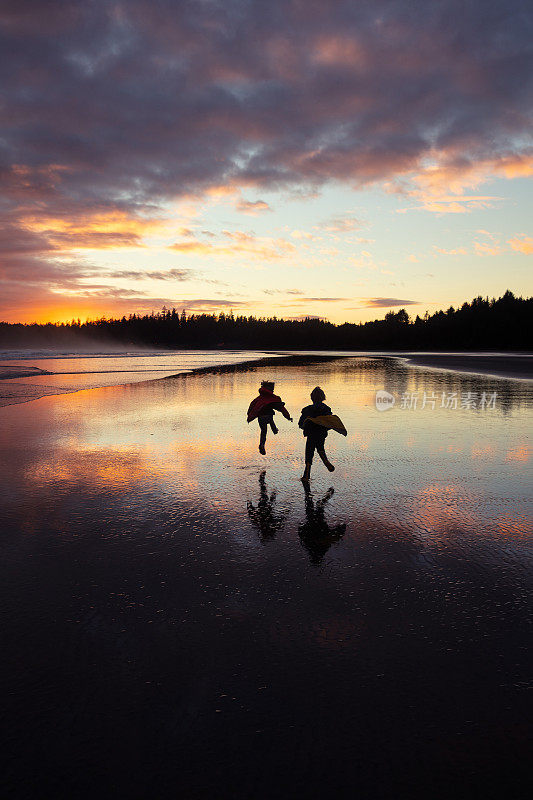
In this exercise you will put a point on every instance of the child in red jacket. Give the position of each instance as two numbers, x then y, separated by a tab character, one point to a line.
263	408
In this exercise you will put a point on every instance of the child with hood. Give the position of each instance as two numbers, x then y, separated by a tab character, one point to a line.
263	408
315	421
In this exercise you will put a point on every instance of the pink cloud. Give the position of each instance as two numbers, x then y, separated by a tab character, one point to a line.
252	207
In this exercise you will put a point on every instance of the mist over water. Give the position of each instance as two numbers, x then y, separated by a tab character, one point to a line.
185	620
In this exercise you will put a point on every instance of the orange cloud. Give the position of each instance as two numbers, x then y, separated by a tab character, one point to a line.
252	207
441	186
458	251
453	204
193	248
297	234
484	249
92	230
516	166
240	244
221	191
522	244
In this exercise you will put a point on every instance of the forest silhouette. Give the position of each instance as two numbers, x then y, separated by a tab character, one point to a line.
504	323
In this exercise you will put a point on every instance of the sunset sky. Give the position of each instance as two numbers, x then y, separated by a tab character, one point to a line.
295	157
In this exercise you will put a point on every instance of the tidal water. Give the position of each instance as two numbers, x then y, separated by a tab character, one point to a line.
28	375
182	619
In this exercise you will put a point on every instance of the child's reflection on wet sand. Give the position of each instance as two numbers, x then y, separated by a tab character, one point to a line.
316	534
263	516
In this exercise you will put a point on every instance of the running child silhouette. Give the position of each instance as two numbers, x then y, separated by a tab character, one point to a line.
263	408
315	421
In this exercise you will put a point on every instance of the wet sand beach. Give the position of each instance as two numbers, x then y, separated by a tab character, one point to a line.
183	620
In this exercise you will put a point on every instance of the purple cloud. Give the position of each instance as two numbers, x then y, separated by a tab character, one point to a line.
321	299
168	275
343	224
388	302
282	291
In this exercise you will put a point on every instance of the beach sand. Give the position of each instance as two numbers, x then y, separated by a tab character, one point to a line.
182	621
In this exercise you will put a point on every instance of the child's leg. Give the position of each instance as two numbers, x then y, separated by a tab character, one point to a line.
273	425
263	424
309	453
309	450
322	453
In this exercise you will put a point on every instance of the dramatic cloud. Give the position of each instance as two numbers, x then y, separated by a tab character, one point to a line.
112	110
441	185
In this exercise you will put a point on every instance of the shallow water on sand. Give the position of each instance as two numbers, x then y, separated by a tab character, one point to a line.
184	620
26	376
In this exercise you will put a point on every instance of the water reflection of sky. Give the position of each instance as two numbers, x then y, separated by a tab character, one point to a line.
146	540
188	437
75	372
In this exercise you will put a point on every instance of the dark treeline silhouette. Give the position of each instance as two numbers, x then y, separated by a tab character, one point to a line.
483	324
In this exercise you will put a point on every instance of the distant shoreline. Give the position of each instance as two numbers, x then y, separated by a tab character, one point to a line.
510	366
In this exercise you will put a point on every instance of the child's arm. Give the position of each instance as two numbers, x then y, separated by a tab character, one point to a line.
303	416
281	407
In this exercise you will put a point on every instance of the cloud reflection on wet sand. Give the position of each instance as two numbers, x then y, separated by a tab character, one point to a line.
158	628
